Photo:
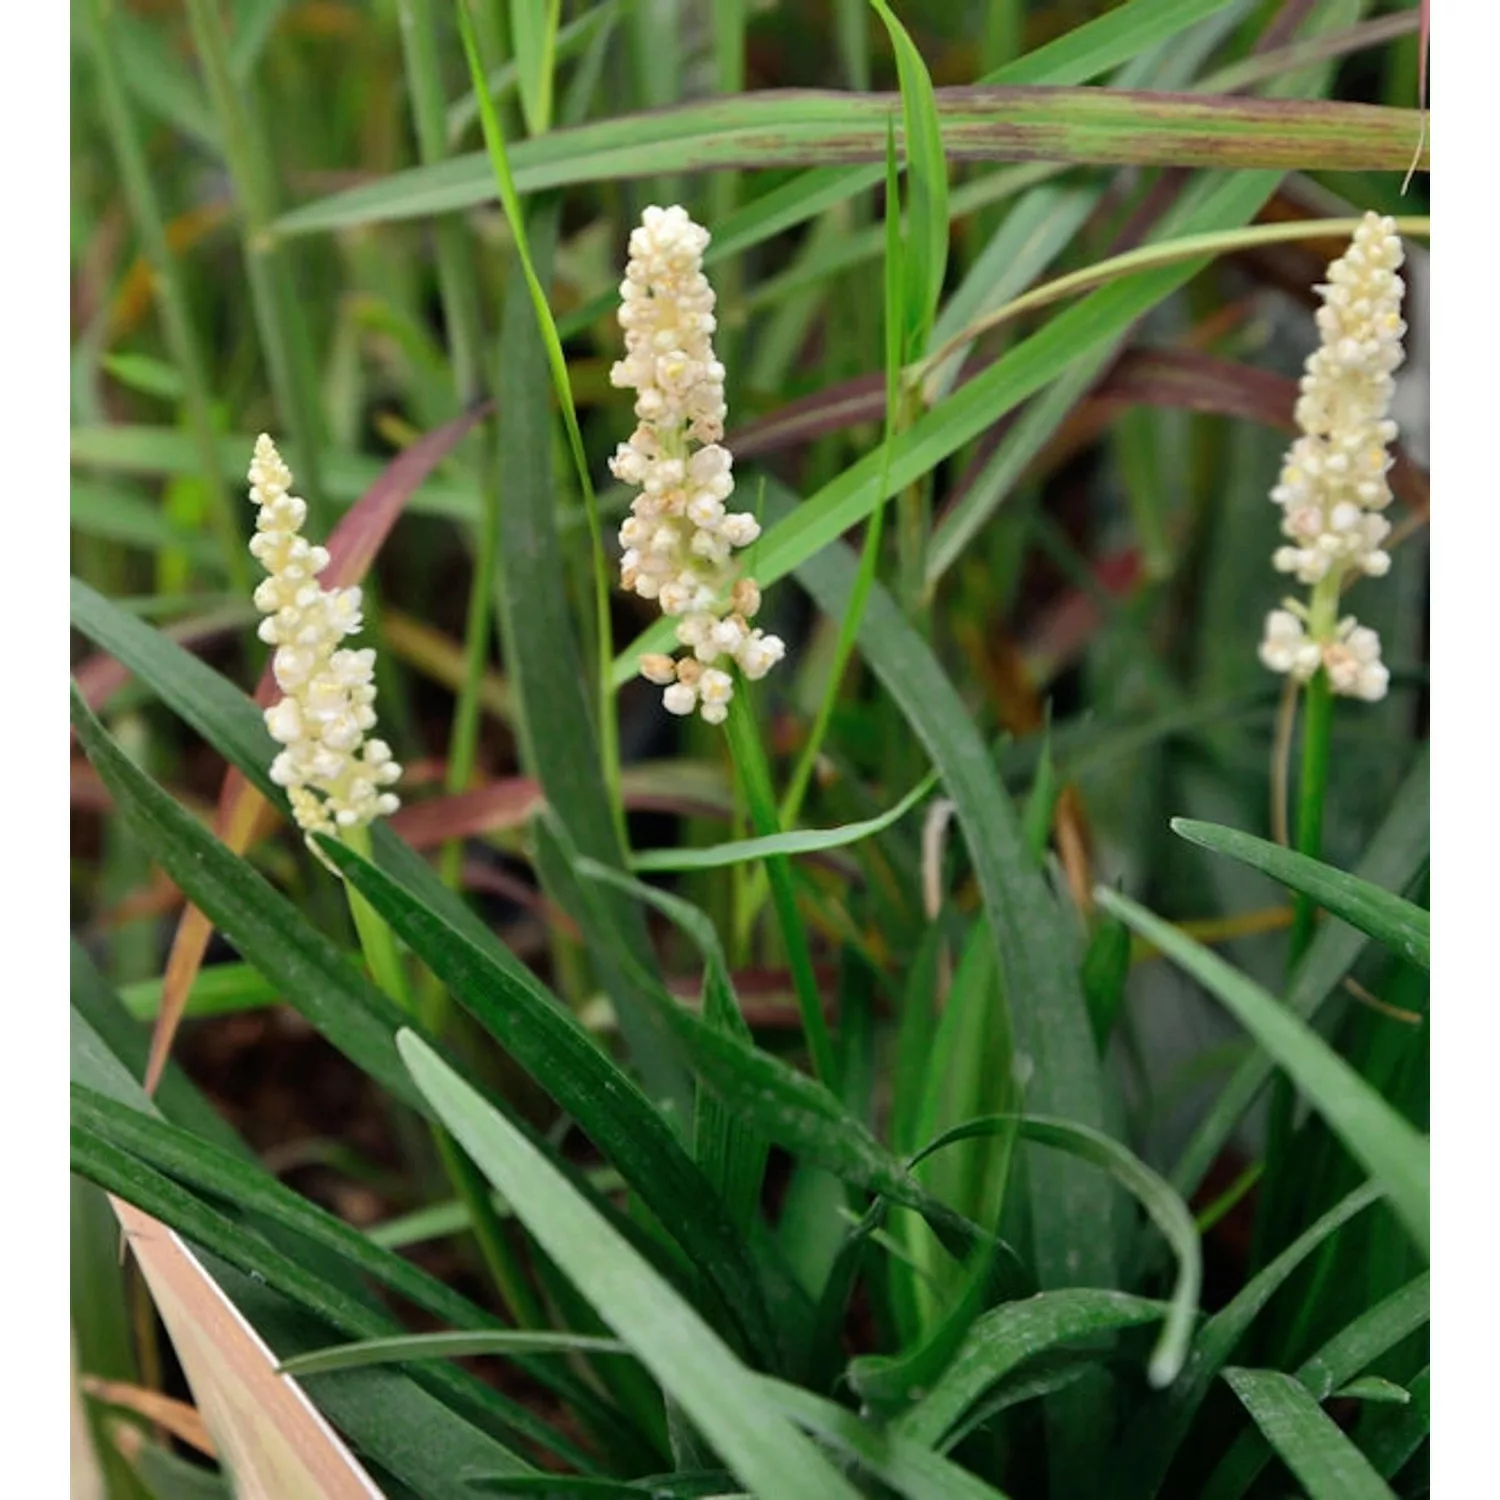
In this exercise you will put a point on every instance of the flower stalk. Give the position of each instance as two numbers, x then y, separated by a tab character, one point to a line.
1333	490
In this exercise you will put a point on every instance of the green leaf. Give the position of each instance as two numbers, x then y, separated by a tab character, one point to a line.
1375	1135
753	776
1308	1441
716	1391
218	990
804	127
1156	1434
563	736
1395	1436
1157	1196
1375	1390
416	1437
534	28
1348	1352
732	1155
152	377
796	841
799	1113
1403	927
1005	1337
564	1059
125	448
1395	855
312	973
119	1173
709	1486
911	1469
176	1098
1106	968
1033	936
506	1342
926	260
119	515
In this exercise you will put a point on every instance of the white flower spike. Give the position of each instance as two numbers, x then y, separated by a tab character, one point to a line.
1333	487
335	777
677	543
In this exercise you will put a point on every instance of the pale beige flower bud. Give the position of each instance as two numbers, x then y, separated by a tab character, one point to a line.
678	542
335	778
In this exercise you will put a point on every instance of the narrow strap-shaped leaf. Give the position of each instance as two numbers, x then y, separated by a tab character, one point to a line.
1308	1441
253	1190
927	180
1005	1337
314	974
1403	927
1394	1437
1070	1216
732	1155
718	1393
565	1060
910	1468
1154	1193
154	1193
804	127
1394	856
794	841
1154	1436
1375	1135
506	1342
1352	1349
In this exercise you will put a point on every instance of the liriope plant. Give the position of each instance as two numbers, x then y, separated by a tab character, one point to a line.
889	1193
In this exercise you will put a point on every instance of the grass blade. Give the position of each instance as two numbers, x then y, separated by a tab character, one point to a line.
1392	1152
732	1155
911	1469
803	127
419	1346
796	841
717	1392
1002	1339
1308	1441
266	927
1395	855
1403	927
1157	1433
564	1059
1157	1196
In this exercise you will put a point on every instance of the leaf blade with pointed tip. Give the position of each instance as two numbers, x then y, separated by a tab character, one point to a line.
718	1393
1390	1149
794	841
1403	927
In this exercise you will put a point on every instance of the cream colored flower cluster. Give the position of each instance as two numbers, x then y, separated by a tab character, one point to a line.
678	542
1333	486
333	775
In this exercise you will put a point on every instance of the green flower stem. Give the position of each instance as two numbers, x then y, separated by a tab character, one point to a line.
278	312
1317	734
378	943
1317	727
754	776
166	281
